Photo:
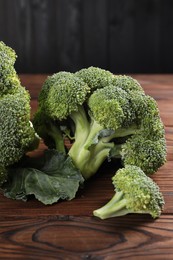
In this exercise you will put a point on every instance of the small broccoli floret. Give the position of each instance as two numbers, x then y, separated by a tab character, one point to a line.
9	80
135	193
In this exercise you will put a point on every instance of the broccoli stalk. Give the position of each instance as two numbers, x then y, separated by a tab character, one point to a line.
114	208
55	133
135	193
89	150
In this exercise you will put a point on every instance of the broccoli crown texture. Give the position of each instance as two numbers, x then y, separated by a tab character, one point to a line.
95	77
66	90
135	193
149	155
103	116
110	107
8	77
16	132
127	83
3	174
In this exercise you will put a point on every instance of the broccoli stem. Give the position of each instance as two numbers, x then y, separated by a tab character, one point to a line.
81	127
122	132
83	152
55	133
88	155
115	207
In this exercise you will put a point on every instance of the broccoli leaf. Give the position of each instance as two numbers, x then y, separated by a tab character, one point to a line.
50	179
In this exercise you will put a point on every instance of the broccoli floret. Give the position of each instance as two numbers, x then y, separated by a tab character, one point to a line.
101	114
9	79
63	89
135	193
149	155
127	83
147	147
95	77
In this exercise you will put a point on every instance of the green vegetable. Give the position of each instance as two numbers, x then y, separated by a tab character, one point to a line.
9	80
17	135
49	179
135	193
104	117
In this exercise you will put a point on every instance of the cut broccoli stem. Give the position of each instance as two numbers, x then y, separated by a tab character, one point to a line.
115	207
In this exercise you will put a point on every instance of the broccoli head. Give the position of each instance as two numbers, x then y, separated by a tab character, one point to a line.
17	135
101	114
135	193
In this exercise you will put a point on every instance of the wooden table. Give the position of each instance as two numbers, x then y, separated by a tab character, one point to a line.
67	230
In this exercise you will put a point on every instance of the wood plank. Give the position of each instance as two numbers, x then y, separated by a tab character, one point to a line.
69	237
68	230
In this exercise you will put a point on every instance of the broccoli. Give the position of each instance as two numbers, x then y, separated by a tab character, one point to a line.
9	80
103	116
135	193
17	135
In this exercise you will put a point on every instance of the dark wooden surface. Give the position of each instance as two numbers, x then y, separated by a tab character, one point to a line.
119	35
67	230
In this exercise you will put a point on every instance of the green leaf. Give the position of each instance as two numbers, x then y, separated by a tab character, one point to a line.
51	178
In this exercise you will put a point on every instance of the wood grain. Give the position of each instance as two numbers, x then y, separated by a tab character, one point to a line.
67	230
69	237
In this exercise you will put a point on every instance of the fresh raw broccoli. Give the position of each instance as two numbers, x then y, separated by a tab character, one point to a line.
103	116
9	79
17	135
135	193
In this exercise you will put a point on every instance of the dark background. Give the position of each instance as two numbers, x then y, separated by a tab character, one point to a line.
124	36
